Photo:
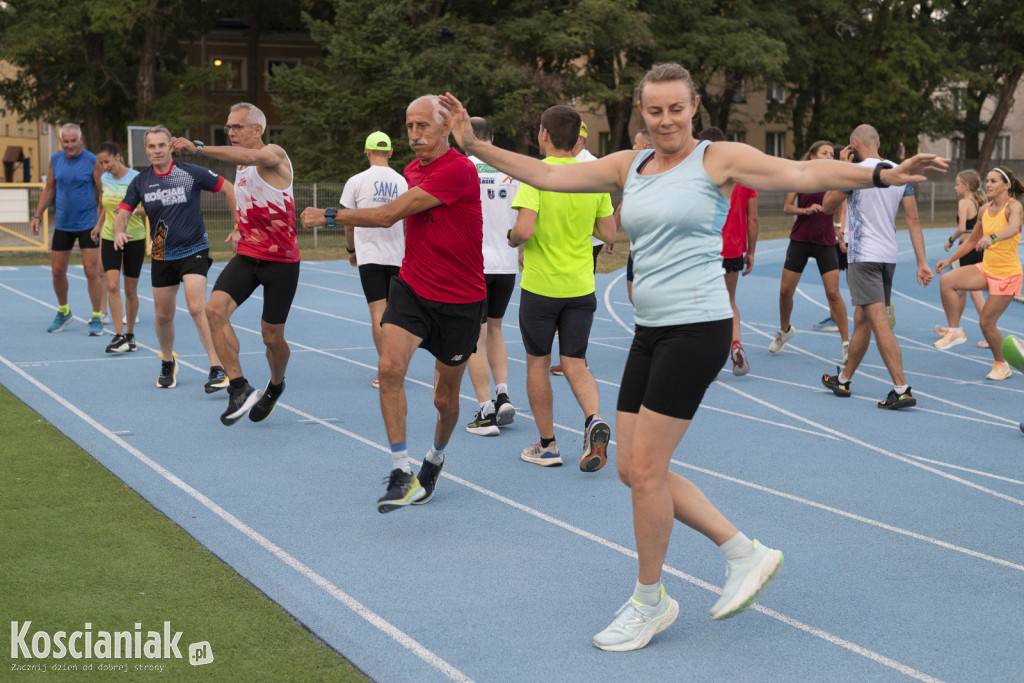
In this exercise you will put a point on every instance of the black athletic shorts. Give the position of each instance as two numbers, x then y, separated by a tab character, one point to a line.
597	252
841	257
171	273
541	316
128	259
449	331
733	265
669	368
798	252
64	240
499	292
629	268
243	274
972	257
376	280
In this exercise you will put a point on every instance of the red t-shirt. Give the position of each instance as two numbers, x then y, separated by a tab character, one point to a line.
444	258
734	232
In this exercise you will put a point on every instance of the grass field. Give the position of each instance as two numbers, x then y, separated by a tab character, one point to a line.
79	547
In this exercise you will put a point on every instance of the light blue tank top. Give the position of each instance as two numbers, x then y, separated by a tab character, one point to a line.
76	191
674	220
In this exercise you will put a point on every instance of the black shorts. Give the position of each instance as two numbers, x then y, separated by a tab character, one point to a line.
171	273
541	316
597	252
449	331
972	257
243	274
499	292
669	368
841	257
376	280
798	252
629	268
64	240
733	265
128	259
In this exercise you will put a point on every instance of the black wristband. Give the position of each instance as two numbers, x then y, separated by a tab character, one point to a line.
876	175
951	239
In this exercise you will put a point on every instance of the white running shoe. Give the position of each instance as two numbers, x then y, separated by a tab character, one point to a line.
781	337
745	580
950	339
635	624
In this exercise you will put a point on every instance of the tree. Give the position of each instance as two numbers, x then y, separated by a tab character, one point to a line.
101	63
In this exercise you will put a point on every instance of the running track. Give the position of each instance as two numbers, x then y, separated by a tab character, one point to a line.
901	530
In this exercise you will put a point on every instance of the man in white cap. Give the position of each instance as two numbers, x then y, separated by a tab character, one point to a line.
376	251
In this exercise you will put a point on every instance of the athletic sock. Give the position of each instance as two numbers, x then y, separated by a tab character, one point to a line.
901	389
501	388
436	455
96	314
544	443
590	418
400	457
956	330
487	408
275	389
841	378
64	310
738	547
647	595
237	385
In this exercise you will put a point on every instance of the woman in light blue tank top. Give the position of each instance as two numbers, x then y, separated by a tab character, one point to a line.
674	206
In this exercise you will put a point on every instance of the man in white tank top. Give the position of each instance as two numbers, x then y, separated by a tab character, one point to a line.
266	249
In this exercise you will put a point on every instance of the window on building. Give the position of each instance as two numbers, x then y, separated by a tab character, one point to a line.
274	134
957	150
275	64
740	95
736	136
1002	150
218	136
775	94
775	144
230	73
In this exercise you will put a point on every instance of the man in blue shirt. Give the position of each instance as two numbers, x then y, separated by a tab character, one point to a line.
169	191
74	180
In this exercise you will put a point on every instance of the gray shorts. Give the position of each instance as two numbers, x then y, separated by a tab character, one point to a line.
870	282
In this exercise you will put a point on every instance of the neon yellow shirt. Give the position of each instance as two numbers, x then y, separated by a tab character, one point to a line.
114	190
558	261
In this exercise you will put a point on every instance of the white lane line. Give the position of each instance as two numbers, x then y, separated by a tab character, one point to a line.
365	613
966	469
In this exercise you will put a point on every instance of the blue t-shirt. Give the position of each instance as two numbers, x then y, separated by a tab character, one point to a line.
674	220
76	191
172	204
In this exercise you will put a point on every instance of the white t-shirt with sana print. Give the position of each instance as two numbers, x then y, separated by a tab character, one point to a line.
375	186
497	190
871	220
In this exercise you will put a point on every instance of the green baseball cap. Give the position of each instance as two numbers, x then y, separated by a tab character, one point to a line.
378	141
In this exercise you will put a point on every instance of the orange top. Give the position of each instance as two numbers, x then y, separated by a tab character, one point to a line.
1000	260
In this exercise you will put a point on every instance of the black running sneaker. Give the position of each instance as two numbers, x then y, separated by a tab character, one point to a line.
832	382
895	401
595	445
119	344
428	476
403	489
217	381
239	403
505	411
168	374
265	406
130	338
483	425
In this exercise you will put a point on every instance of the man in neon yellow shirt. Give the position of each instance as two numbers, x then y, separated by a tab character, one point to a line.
558	291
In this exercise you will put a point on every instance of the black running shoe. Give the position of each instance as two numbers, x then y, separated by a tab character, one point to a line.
168	374
483	426
130	338
265	406
895	401
403	489
595	445
217	381
239	403
832	382
428	476
505	411
119	344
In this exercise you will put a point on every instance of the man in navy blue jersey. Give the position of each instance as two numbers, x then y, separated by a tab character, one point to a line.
169	190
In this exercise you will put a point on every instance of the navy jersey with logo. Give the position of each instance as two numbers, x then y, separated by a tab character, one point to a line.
172	205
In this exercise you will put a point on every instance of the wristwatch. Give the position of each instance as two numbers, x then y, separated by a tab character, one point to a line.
199	147
329	215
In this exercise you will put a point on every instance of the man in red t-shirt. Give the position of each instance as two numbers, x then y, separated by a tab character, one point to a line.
739	238
437	300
